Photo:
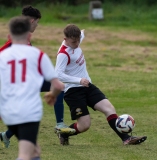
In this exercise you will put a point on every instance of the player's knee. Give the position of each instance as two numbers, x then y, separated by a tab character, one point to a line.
86	127
84	124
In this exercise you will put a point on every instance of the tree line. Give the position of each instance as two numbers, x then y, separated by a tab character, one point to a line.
13	3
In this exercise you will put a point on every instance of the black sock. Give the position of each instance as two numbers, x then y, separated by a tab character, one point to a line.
112	120
9	134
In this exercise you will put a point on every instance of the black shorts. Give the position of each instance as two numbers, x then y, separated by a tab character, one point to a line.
45	87
26	131
78	98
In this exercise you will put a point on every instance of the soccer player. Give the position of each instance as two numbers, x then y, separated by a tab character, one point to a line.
23	67
34	15
79	90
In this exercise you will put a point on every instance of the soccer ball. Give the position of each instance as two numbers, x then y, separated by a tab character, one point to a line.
125	123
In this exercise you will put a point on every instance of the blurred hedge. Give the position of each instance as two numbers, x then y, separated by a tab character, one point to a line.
12	3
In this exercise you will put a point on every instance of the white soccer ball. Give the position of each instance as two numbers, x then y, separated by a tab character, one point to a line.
125	123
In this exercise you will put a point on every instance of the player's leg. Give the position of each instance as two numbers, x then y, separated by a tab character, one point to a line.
5	138
82	116
37	153
103	105
61	129
27	137
26	149
106	107
76	100
83	124
59	106
59	111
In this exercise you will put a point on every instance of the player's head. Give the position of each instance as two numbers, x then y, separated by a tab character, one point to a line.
19	28
72	35
33	14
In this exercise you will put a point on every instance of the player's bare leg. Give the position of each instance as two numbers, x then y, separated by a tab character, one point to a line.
26	150
105	107
82	125
37	152
108	109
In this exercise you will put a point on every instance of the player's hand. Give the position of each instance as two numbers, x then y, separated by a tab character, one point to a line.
84	82
50	98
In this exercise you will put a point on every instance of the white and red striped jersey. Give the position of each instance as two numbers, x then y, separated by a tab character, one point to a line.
22	71
71	65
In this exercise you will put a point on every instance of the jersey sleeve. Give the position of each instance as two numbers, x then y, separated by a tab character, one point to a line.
61	63
6	45
47	68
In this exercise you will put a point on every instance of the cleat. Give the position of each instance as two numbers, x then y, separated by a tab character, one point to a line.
65	130
134	140
4	140
64	139
62	128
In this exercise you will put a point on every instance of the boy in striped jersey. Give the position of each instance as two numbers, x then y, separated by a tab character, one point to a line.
80	92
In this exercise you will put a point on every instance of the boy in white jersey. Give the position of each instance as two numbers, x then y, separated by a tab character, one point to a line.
23	67
79	90
34	16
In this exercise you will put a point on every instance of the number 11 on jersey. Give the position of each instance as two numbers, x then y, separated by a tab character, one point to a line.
13	70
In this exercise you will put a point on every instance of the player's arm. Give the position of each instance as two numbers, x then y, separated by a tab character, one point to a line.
56	87
60	67
49	74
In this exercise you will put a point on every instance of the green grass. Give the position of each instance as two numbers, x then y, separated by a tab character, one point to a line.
128	15
121	60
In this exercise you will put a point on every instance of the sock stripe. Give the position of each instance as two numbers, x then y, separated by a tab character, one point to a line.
112	116
75	127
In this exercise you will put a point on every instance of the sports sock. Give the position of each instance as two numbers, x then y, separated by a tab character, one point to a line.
112	120
74	126
59	108
36	158
60	123
9	134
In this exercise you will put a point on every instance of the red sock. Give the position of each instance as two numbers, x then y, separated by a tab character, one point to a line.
74	125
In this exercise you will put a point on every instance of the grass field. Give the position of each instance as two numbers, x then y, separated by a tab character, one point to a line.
122	63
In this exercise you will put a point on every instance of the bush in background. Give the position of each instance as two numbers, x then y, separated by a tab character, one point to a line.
11	3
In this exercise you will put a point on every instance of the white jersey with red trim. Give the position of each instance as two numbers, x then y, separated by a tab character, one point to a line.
71	66
22	71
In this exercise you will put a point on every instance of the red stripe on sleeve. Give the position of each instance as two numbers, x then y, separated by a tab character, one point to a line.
62	50
6	45
39	62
